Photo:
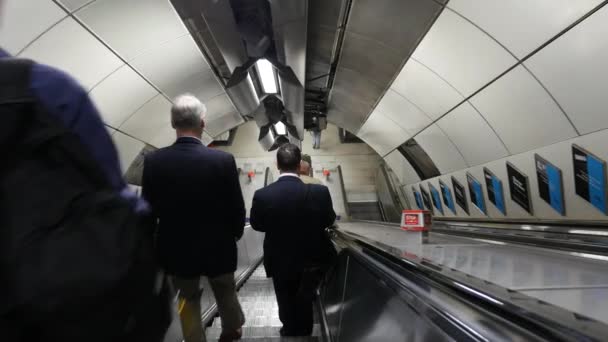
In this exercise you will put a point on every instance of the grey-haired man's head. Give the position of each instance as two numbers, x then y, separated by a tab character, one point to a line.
187	116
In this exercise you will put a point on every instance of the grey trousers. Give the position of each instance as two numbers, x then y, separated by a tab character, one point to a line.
229	308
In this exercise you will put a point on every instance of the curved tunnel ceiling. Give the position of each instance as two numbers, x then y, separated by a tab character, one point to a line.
477	88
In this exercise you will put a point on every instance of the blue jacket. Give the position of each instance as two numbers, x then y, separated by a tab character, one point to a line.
64	98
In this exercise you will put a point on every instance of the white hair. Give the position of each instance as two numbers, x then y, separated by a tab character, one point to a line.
187	112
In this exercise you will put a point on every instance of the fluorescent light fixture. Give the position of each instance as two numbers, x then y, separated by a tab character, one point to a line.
280	128
266	74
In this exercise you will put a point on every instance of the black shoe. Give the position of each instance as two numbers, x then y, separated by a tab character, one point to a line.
287	333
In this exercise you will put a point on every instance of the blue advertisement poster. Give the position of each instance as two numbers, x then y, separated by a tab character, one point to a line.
494	188
426	199
448	200
436	198
476	193
418	198
550	187
590	178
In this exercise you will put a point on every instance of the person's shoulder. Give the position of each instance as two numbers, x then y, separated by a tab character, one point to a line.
47	79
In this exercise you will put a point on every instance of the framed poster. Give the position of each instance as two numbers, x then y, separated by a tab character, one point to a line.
590	177
460	195
446	193
494	189
476	193
426	199
550	185
519	188
418	198
436	198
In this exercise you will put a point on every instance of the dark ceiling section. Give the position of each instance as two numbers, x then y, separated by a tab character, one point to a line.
323	25
379	38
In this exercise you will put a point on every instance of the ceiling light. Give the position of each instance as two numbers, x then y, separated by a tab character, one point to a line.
266	75
280	128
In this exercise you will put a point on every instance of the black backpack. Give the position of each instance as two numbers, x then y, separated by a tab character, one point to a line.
76	260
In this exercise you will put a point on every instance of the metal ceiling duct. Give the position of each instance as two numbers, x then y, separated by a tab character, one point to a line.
289	22
241	90
213	25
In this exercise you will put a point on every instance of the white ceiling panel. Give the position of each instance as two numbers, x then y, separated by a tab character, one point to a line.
73	5
178	67
120	95
522	113
382	133
164	137
402	168
150	120
462	54
574	68
68	46
207	139
221	115
128	148
472	135
132	27
522	26
426	89
24	20
441	150
403	112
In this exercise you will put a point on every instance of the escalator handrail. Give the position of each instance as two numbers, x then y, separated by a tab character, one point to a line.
552	322
343	189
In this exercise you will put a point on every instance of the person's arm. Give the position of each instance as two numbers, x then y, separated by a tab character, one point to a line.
235	203
147	192
328	216
257	218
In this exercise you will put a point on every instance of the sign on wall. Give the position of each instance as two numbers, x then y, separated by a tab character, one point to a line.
426	199
460	195
590	177
418	198
436	198
446	193
476	193
550	186
519	187
494	189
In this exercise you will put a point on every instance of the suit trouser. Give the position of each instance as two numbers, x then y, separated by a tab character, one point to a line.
295	309
229	308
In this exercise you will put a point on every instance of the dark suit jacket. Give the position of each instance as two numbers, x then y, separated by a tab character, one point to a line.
294	227
195	193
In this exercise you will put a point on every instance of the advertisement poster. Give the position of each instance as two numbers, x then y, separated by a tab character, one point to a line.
550	186
418	198
436	198
476	193
447	196
519	187
590	177
426	199
494	188
460	195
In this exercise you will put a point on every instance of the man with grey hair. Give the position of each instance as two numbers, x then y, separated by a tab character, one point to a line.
195	195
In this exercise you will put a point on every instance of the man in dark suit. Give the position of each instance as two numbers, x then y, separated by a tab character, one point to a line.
195	194
294	216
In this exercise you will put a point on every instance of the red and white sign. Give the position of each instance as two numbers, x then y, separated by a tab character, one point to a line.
416	220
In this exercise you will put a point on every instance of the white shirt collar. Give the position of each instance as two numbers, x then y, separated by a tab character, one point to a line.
289	174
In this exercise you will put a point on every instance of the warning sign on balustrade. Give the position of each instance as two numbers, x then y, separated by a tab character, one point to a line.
416	220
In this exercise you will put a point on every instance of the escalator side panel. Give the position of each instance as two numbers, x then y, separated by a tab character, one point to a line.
374	312
333	294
